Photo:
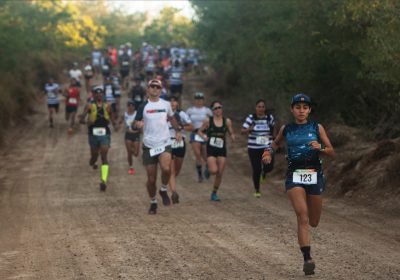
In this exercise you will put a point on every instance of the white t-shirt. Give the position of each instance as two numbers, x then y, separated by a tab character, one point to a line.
129	119
155	130
198	115
75	74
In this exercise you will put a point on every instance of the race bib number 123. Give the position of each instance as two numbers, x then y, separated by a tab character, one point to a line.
305	176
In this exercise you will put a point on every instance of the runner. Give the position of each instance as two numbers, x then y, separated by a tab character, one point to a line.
96	60
106	64
178	147
153	117
260	129
176	79
138	93
72	99
52	89
99	117
216	126
116	79
88	73
76	73
197	114
111	98
305	140
132	137
124	67
150	66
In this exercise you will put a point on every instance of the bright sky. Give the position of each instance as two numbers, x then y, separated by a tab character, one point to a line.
153	7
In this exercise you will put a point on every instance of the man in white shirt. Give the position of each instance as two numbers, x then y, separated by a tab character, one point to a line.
76	73
153	117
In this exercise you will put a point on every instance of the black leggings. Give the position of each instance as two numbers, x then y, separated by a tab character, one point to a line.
255	156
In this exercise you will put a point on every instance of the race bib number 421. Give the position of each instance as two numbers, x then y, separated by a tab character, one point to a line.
305	176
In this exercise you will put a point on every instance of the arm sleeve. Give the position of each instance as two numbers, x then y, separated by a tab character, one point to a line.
185	118
247	123
139	114
169	109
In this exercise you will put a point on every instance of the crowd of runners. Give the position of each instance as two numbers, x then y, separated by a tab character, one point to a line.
155	126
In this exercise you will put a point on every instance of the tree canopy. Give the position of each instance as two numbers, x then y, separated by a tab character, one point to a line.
344	53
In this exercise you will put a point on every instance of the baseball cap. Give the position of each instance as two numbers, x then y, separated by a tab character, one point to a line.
97	89
155	83
199	95
301	97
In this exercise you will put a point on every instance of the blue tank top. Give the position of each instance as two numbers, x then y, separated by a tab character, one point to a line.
300	153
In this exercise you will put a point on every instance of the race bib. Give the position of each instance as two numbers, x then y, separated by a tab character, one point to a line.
305	176
105	67
99	131
177	144
217	142
125	63
262	140
51	94
157	151
197	138
73	101
138	98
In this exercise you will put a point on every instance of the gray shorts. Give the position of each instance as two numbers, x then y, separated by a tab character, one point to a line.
149	160
96	141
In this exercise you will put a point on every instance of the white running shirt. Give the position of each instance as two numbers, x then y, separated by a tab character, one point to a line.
198	115
75	74
155	130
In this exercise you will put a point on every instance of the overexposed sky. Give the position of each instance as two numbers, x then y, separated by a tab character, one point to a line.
153	7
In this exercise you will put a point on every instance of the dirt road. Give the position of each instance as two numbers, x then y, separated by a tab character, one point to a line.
56	224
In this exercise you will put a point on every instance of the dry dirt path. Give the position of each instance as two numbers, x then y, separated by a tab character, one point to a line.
55	224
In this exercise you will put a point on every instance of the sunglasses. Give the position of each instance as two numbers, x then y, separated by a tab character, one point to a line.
154	86
216	108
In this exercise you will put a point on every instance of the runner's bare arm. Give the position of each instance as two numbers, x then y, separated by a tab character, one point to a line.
175	125
267	155
82	116
325	147
203	127
188	127
247	130
230	129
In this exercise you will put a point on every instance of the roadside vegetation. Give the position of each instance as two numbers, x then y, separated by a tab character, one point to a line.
42	38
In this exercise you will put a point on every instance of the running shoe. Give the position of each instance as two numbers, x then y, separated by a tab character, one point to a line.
263	178
175	197
214	197
200	178
131	171
70	130
309	267
165	198
103	186
153	209
257	194
206	173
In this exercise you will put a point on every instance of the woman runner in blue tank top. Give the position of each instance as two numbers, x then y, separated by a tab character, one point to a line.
306	140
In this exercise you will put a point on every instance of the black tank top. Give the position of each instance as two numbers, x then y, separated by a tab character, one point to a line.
100	121
216	131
